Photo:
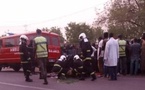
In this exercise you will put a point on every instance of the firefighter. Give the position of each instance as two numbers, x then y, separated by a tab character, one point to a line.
87	50
59	67
78	67
25	59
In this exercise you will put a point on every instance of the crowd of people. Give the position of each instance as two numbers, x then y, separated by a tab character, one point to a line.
107	58
110	56
78	62
130	55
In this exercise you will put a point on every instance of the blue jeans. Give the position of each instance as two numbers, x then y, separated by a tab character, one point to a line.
134	65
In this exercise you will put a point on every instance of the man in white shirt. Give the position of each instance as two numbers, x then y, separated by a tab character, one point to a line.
111	56
100	57
102	44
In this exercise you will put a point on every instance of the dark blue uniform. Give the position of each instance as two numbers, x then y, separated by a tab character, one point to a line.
25	60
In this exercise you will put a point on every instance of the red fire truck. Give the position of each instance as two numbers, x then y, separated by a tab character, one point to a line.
9	49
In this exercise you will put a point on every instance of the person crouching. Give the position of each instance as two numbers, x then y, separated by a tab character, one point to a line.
78	67
58	67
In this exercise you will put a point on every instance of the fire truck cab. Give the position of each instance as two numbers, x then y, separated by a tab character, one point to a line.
9	49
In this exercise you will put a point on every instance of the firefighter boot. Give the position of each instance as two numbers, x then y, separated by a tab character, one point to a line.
82	77
93	77
63	77
28	79
40	76
45	81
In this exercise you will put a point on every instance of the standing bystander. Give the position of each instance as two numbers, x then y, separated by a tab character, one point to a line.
111	56
122	55
41	51
143	55
135	57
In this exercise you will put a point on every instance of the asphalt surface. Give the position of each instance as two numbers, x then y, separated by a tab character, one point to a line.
10	80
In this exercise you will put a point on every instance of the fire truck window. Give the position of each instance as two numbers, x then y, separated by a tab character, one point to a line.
55	41
48	40
9	42
17	41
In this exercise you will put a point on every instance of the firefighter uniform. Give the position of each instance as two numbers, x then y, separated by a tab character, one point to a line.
78	67
25	59
87	51
41	50
59	67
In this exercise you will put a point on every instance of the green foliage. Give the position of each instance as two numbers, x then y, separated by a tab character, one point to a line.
126	17
55	30
58	31
73	30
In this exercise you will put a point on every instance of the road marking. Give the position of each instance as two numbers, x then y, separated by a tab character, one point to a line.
18	85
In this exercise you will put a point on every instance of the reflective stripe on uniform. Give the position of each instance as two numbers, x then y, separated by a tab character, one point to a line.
88	58
42	54
92	73
80	67
57	65
83	73
41	44
88	50
28	71
59	71
63	74
122	45
75	70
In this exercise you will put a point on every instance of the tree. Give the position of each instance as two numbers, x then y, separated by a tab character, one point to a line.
57	31
125	16
98	31
73	30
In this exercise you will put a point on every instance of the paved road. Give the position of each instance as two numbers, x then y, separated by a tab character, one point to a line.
10	80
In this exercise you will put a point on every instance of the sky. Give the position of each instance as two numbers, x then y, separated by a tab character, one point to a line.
19	16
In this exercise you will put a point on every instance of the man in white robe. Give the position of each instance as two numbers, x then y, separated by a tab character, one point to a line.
111	56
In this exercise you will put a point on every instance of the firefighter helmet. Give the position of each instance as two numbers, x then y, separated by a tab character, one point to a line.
24	37
62	58
76	57
82	36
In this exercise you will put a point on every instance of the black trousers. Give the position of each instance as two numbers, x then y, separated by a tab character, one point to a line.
26	69
56	69
88	67
113	72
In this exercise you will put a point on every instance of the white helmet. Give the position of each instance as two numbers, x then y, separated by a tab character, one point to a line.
24	37
62	58
76	57
83	35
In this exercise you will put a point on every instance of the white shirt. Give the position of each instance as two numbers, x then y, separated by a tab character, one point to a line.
100	46
111	54
94	50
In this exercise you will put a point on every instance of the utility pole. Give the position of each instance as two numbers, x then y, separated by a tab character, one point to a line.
25	26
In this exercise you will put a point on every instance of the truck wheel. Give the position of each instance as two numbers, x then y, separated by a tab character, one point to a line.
16	68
